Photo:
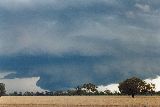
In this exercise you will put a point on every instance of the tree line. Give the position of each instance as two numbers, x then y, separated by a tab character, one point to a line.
131	86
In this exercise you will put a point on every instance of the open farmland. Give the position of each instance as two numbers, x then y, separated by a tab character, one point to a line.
80	101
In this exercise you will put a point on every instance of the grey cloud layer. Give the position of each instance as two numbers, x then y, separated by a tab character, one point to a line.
76	27
124	33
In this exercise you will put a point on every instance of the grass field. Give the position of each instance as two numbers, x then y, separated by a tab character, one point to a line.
80	101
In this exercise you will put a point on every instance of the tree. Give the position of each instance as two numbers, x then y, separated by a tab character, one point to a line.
2	89
79	91
48	93
20	94
108	92
15	93
133	86
90	88
59	93
148	89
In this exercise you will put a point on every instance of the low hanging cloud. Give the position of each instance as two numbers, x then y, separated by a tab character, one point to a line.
73	42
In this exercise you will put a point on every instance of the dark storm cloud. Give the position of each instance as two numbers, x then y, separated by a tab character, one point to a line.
67	43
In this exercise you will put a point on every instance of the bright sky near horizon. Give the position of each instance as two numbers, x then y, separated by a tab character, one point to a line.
30	84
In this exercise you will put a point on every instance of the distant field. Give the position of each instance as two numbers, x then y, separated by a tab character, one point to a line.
80	101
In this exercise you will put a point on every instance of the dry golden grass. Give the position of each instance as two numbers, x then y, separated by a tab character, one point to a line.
80	101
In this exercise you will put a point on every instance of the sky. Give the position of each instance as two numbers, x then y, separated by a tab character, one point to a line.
20	84
59	44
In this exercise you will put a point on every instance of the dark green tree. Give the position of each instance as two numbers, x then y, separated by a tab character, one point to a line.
2	89
148	89
20	94
90	88
133	86
108	92
15	93
59	93
72	92
80	91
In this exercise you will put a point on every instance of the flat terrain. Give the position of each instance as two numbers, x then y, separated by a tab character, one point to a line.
80	101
